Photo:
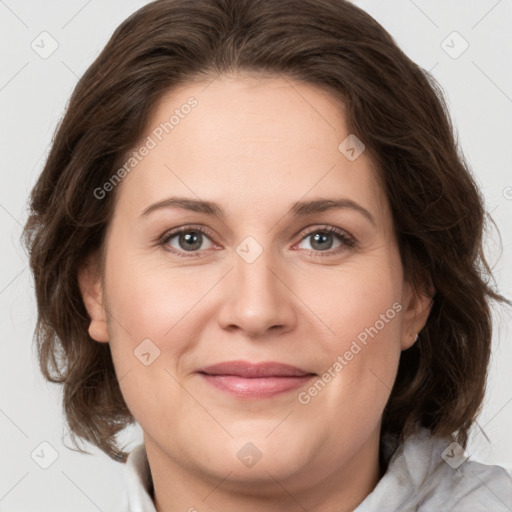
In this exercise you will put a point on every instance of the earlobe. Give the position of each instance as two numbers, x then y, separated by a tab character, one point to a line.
416	312
89	282
410	339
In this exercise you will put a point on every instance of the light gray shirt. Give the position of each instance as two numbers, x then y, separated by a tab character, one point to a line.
425	473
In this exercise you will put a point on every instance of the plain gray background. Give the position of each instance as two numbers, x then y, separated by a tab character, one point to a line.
34	90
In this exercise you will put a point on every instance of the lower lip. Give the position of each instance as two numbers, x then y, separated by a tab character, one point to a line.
263	387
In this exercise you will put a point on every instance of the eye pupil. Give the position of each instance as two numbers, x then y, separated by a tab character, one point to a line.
321	237
193	241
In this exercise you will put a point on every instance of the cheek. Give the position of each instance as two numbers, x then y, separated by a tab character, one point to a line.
356	301
150	330
360	354
151	327
151	301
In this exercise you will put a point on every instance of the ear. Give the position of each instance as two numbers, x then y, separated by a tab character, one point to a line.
417	305
89	282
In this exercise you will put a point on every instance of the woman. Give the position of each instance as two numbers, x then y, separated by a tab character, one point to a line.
202	152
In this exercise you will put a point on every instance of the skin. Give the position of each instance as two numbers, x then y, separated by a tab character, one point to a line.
254	145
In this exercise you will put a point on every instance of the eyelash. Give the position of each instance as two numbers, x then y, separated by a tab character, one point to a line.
347	241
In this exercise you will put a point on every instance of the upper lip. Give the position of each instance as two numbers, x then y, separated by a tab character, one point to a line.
253	370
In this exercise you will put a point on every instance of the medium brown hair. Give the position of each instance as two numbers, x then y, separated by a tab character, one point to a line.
392	105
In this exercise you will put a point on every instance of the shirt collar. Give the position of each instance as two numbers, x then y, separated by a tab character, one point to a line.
418	473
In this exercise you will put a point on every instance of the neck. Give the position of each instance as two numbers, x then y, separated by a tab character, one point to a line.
341	489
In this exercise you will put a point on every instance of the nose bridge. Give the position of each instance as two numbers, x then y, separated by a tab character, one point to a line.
258	298
254	272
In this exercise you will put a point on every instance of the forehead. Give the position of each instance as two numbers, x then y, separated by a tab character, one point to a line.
247	142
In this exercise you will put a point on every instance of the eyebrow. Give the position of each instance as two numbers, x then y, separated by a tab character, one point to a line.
298	209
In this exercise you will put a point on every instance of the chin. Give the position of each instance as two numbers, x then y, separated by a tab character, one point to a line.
262	477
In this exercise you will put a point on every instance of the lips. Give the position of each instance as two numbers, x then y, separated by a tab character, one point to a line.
249	380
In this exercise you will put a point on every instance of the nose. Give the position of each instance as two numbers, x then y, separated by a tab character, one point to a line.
257	297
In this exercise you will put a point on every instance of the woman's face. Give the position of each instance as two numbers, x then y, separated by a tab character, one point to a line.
265	283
